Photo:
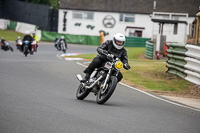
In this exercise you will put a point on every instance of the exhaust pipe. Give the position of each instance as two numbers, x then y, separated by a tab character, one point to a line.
92	85
79	77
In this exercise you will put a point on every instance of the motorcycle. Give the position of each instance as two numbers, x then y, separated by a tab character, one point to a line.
62	46
19	44
56	44
102	81
26	48
6	46
34	46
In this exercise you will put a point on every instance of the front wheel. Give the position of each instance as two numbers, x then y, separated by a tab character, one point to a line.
11	49
64	50
104	94
82	92
25	51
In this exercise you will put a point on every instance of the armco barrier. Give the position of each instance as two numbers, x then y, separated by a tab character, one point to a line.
149	50
184	61
136	41
74	39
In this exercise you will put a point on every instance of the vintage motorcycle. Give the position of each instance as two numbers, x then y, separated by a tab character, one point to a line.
102	81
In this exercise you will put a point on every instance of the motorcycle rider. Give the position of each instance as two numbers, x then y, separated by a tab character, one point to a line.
62	39
18	38
29	38
3	42
34	36
114	47
56	41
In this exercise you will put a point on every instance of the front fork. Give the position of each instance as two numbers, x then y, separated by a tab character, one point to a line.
106	80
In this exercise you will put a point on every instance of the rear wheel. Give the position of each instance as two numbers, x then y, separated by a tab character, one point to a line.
82	92
104	94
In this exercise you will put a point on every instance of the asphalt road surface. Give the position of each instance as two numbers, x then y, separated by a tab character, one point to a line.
37	95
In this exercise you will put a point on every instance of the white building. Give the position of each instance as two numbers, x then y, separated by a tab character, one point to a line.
82	18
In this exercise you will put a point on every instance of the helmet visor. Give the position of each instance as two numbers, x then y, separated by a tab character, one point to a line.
119	43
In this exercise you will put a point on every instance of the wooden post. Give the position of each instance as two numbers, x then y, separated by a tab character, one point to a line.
197	39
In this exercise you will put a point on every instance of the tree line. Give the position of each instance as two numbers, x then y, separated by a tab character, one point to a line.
53	3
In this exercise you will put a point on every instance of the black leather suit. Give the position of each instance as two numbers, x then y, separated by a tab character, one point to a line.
100	58
28	38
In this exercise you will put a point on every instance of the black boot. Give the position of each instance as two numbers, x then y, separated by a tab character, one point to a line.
87	76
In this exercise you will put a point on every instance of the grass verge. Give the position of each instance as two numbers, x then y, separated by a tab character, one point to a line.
10	35
150	75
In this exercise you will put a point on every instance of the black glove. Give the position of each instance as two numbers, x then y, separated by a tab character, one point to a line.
110	56
126	66
105	52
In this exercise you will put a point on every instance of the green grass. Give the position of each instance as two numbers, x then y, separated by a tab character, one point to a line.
149	74
10	35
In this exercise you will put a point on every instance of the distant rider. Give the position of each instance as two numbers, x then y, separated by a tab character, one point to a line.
34	36
3	42
29	38
18	38
56	42
62	39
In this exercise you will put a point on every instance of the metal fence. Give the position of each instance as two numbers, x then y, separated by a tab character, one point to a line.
36	14
184	61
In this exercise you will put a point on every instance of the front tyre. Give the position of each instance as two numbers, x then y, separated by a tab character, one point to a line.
25	51
82	92
104	94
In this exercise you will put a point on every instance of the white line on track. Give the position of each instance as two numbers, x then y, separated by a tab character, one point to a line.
159	98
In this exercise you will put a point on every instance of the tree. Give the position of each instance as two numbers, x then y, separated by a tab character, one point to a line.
53	3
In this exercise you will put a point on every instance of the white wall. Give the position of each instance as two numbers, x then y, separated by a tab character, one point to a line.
168	31
140	21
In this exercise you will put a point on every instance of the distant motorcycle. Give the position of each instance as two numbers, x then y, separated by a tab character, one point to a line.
19	44
26	48
62	46
34	46
6	46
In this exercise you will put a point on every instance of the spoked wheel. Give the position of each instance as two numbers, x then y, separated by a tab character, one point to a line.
104	94
82	92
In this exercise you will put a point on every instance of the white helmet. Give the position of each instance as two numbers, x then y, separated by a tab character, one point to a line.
18	37
62	37
27	32
119	37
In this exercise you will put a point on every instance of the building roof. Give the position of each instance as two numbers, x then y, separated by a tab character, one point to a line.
133	6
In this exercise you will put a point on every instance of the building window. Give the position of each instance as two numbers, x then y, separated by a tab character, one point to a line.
83	15
126	17
175	29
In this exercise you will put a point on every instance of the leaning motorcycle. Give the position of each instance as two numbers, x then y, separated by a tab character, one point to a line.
62	46
6	46
102	81
26	48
